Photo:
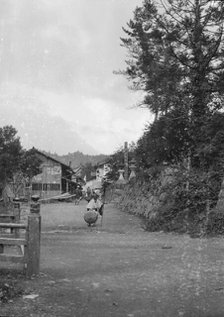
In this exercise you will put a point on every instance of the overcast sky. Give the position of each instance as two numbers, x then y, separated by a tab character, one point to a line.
57	85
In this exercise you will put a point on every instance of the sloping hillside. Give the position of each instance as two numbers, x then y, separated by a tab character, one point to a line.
78	158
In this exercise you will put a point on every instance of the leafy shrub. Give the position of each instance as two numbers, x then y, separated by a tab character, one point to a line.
188	201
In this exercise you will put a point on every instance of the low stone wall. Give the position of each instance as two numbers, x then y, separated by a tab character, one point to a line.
153	201
138	200
142	198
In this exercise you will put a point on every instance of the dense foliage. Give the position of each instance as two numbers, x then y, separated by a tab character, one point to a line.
176	56
176	47
29	164
16	163
10	153
165	140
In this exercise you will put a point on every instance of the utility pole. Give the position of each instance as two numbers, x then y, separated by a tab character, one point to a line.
126	161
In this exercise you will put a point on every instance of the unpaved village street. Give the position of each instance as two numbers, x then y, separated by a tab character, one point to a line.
120	270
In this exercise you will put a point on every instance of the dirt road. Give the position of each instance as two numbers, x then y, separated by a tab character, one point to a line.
120	270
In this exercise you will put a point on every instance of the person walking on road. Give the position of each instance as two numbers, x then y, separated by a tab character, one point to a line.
96	205
88	194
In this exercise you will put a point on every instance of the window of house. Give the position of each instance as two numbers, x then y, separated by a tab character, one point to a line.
54	186
49	187
36	186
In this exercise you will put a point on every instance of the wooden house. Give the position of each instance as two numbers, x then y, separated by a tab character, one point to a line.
55	178
77	176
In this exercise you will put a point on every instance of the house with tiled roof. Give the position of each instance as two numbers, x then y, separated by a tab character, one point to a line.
55	178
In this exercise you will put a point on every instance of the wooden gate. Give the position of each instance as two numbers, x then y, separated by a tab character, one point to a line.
26	240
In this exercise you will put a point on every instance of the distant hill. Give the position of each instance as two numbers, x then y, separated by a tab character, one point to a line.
78	158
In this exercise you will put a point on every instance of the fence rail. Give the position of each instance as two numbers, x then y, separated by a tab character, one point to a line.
28	246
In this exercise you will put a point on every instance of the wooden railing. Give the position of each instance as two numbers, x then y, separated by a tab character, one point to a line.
27	243
12	216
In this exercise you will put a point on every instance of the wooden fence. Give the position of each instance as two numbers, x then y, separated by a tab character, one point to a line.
25	237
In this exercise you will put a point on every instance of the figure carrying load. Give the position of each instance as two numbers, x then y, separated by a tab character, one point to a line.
94	210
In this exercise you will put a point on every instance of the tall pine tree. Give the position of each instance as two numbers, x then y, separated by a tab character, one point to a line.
176	56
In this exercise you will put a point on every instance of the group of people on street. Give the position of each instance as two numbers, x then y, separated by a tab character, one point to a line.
95	203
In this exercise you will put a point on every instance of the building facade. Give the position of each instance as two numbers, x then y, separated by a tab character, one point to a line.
55	178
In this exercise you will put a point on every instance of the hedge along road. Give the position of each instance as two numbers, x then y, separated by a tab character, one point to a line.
120	270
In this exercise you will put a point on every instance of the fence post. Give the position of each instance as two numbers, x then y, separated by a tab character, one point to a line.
16	211
16	207
33	240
